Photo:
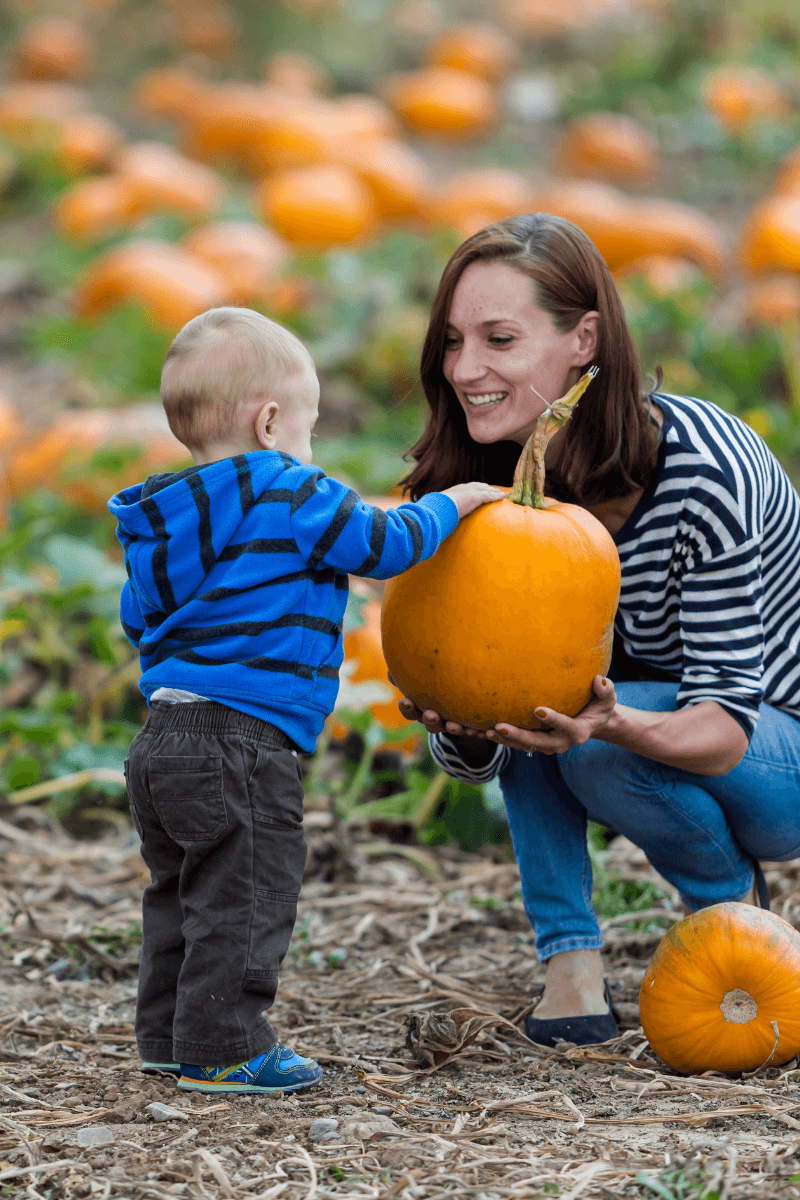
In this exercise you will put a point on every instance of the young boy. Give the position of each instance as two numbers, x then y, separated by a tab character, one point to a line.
237	583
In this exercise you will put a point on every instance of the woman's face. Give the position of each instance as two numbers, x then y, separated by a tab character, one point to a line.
500	345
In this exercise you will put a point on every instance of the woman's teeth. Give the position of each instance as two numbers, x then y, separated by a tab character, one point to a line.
488	398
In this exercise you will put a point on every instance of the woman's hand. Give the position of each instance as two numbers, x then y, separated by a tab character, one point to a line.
558	732
433	721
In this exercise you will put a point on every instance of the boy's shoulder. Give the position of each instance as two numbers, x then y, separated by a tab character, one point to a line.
262	468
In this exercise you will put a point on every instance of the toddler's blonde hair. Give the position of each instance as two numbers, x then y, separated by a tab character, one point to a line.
217	361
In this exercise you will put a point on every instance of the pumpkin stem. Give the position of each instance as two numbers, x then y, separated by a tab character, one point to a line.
738	1007
528	486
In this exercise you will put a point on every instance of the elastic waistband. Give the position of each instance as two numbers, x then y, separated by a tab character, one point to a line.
206	716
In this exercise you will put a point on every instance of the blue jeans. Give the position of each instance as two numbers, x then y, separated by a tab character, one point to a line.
700	832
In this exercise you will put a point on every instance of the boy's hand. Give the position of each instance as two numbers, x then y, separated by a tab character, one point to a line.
469	496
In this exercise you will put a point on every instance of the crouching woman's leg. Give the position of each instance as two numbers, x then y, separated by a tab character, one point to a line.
548	832
702	833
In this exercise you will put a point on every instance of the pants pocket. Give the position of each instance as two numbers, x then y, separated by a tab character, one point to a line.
276	804
274	915
188	795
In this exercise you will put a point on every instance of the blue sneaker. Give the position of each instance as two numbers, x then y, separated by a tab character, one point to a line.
279	1070
148	1068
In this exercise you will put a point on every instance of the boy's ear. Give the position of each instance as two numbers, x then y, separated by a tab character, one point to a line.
265	423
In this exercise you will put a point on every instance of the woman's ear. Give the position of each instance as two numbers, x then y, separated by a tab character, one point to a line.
264	425
586	332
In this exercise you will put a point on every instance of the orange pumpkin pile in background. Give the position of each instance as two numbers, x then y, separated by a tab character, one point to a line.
309	170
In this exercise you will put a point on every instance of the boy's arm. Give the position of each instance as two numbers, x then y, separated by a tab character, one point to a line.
334	527
130	614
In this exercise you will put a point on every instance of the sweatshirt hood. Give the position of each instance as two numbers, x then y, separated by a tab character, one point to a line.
165	524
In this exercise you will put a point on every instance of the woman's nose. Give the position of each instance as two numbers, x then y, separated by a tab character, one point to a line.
466	365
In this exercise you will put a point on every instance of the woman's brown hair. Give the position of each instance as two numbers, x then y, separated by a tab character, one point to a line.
609	444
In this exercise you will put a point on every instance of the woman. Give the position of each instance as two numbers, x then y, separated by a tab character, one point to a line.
695	753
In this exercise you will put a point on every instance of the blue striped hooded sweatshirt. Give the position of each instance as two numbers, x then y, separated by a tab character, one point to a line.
237	579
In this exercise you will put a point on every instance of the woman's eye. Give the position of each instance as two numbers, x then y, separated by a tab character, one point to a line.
449	342
500	339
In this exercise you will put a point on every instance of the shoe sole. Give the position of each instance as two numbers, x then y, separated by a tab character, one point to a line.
253	1089
148	1068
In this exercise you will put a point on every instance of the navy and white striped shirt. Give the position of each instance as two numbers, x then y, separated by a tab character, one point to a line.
710	562
238	578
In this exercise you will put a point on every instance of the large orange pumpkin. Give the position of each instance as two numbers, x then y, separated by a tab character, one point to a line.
740	95
443	101
90	209
225	121
166	181
87	142
608	145
399	180
168	91
317	207
246	253
492	192
60	457
171	285
516	608
722	992
770	238
32	114
475	46
52	48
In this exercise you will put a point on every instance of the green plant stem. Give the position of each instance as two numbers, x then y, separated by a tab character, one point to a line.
348	800
430	801
310	783
67	783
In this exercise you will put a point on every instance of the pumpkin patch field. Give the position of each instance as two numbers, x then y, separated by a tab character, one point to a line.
319	161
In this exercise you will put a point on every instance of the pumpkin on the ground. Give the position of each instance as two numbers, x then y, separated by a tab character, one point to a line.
740	95
52	48
135	442
770	237
443	101
475	46
609	145
516	608
317	207
245	252
171	285
722	992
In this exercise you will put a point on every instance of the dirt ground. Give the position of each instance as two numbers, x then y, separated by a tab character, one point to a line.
423	1105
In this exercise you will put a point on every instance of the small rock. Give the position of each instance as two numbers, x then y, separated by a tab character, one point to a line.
95	1135
383	1109
165	1112
368	1126
331	1136
360	1088
62	968
321	1126
123	1112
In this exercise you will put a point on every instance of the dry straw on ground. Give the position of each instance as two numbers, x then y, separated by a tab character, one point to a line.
436	1090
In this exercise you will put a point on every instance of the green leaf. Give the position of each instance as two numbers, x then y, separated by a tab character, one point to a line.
77	562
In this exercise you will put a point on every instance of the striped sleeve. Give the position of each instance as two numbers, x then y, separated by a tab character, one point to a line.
333	527
130	613
445	755
722	634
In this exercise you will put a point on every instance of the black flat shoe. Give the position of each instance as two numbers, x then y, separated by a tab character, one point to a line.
583	1031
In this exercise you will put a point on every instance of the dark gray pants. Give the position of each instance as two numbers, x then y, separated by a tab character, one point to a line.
216	799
